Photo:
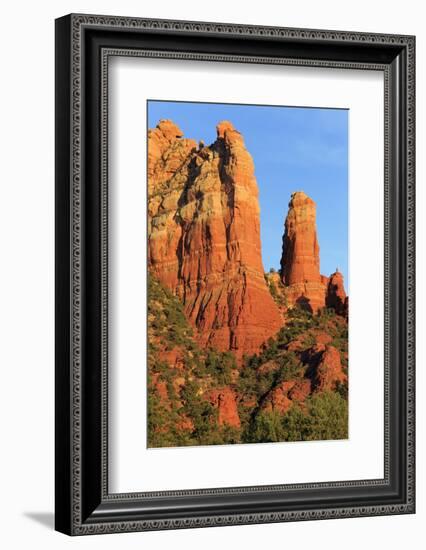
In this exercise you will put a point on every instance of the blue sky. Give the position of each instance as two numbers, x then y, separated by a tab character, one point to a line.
294	149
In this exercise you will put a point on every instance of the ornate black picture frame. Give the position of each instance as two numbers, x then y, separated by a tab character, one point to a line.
83	45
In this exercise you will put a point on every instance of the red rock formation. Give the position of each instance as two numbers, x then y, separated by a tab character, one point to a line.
224	400
322	337
281	398
329	370
300	391
166	153
300	262
336	295
278	400
204	236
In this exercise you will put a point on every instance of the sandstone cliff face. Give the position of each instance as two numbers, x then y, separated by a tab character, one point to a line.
300	262
204	236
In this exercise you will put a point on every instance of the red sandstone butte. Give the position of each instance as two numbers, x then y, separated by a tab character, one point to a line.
336	295
300	261
224	400
204	236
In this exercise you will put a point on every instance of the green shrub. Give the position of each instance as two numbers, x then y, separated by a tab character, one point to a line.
219	366
266	428
323	417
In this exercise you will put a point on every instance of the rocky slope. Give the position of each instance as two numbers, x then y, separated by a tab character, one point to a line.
294	389
204	236
191	394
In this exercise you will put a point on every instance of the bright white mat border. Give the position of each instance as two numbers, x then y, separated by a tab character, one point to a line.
133	467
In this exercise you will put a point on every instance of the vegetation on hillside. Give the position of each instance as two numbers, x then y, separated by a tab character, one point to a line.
178	412
182	375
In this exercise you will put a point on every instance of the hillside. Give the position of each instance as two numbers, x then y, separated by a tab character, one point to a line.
294	389
191	398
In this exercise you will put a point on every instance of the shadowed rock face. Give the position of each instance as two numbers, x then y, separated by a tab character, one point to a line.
300	262
336	295
204	236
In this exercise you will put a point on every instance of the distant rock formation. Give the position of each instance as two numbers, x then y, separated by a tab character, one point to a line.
336	296
300	261
204	236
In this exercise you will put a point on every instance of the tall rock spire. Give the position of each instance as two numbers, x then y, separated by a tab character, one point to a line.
336	295
204	236
300	261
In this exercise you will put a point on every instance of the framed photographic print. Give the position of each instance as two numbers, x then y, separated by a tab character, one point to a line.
234	274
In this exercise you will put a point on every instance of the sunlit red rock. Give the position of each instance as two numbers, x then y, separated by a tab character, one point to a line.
224	400
300	391
300	261
278	399
204	236
283	396
329	371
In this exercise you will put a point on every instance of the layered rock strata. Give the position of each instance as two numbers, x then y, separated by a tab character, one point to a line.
300	261
204	236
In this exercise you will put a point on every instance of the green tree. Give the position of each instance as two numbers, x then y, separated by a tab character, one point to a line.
266	428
